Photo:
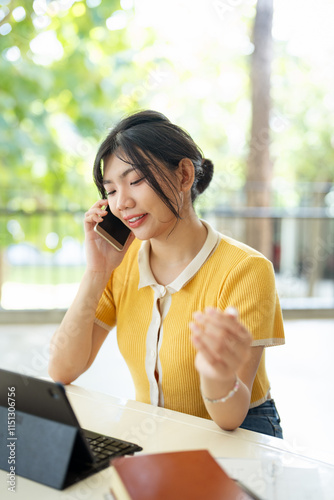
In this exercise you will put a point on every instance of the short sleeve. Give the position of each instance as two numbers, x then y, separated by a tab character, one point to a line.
105	315
250	288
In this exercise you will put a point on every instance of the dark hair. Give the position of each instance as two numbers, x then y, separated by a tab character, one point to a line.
147	139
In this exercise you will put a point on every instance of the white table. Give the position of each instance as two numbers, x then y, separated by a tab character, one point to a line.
266	464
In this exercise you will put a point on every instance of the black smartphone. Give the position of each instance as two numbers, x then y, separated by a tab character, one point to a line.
113	230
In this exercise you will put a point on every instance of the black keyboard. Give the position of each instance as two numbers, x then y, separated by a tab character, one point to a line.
105	447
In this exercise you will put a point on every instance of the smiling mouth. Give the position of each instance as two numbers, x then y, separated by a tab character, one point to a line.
134	219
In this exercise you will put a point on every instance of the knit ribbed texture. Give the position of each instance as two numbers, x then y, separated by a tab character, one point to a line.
234	275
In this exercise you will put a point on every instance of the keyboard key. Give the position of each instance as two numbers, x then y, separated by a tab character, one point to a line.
112	448
105	448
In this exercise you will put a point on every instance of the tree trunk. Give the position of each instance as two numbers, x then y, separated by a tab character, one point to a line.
258	184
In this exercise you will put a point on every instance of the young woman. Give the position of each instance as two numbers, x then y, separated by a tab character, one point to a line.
194	309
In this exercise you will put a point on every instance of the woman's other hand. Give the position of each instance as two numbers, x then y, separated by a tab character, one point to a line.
223	344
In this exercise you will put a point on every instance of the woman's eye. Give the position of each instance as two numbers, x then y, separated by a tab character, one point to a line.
110	193
137	181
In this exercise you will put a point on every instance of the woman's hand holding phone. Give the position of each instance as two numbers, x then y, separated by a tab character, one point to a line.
100	254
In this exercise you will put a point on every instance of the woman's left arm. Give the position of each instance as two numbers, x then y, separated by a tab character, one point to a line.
227	365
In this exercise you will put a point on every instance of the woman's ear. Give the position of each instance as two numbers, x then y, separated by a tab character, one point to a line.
186	174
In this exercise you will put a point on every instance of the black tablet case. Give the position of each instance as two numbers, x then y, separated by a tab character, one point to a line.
49	444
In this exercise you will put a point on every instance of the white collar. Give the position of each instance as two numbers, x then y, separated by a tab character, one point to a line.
146	276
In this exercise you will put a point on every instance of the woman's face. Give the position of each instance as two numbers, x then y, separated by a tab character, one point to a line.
133	201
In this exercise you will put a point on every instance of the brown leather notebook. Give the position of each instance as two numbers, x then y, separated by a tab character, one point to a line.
181	475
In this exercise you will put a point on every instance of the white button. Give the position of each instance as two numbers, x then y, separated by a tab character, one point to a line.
162	291
152	354
157	321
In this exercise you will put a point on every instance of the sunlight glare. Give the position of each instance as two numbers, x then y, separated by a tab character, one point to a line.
46	48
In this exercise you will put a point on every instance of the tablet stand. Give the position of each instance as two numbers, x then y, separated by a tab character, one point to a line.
45	451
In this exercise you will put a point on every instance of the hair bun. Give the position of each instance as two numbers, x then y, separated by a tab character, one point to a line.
205	175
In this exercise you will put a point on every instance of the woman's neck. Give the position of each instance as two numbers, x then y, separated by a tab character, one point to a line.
168	258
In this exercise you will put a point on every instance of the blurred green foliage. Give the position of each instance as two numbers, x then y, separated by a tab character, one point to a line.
53	107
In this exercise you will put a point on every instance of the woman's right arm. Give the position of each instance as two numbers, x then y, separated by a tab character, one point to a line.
78	339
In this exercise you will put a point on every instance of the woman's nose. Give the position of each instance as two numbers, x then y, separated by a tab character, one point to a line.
124	200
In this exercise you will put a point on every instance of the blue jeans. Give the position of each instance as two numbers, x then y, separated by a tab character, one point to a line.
264	419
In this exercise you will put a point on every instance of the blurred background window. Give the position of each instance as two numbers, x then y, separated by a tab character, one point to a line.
247	79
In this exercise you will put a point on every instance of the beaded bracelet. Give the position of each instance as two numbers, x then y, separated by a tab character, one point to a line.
229	395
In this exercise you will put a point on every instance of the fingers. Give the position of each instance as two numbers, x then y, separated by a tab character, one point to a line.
96	213
232	311
221	338
218	325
